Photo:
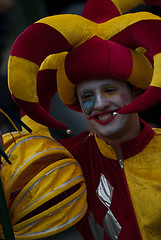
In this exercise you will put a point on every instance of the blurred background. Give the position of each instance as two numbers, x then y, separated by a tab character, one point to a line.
15	17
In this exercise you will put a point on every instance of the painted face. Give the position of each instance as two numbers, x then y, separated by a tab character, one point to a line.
100	100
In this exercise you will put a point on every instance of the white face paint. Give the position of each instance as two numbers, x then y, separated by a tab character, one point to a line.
100	100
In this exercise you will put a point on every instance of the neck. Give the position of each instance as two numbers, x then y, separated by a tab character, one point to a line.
118	138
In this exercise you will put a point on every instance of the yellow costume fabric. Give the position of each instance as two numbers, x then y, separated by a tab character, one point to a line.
143	175
41	171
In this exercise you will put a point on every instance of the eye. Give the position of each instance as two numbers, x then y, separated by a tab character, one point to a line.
110	90
87	96
88	101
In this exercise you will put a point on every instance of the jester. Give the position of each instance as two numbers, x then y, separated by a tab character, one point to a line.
97	62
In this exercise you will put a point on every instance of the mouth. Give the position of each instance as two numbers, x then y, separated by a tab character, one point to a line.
103	118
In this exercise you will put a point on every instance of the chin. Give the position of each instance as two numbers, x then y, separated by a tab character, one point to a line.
110	131
105	134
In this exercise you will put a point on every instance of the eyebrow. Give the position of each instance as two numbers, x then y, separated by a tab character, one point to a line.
86	91
92	89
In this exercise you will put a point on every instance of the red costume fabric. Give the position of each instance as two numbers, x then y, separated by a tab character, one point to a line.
95	166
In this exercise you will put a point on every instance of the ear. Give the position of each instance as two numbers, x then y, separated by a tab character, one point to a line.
136	92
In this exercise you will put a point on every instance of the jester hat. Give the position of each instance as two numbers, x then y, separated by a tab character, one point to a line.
49	44
99	59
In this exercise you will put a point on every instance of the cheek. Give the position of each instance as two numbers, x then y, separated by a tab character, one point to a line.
124	98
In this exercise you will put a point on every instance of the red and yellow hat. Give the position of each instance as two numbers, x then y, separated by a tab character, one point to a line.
40	57
98	59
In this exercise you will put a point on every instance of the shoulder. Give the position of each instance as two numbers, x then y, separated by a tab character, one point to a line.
156	140
157	131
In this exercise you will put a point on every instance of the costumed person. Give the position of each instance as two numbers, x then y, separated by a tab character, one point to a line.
97	61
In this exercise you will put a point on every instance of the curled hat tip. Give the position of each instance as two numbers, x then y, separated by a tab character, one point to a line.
37	113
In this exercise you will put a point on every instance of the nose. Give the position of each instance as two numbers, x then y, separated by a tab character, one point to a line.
101	102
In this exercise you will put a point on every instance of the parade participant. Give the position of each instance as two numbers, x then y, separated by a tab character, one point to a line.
114	159
97	65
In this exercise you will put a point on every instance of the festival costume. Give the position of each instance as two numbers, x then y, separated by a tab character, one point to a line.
50	56
44	185
121	196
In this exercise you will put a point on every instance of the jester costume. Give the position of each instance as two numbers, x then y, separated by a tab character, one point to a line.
123	196
55	54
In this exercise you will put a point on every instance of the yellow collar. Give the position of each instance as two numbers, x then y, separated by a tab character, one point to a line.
105	148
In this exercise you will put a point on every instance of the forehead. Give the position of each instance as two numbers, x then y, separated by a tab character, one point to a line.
98	83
